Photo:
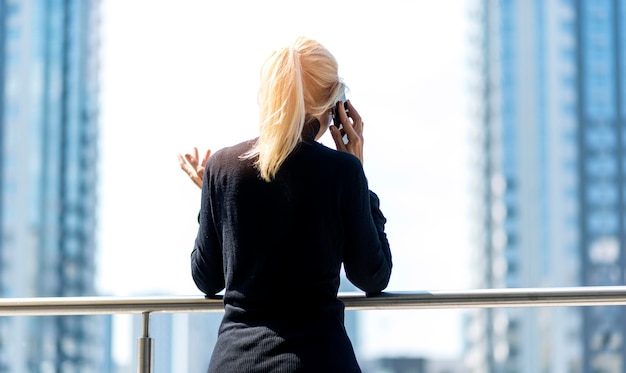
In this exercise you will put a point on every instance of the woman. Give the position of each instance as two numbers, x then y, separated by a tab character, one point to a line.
279	216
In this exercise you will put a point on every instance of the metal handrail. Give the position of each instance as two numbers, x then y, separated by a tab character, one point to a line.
476	298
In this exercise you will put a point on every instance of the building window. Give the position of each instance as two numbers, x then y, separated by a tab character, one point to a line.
602	193
600	137
601	166
602	222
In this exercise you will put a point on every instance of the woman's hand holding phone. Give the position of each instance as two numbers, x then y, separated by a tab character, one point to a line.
352	127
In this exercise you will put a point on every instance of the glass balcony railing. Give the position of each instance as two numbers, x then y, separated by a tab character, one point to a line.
480	298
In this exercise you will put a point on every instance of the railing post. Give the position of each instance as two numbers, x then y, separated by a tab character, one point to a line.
146	346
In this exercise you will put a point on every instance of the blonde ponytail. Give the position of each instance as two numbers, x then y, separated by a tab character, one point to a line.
296	80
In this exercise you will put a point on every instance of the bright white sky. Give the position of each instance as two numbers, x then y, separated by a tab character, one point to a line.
184	73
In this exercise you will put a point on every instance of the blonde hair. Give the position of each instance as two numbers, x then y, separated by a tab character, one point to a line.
297	81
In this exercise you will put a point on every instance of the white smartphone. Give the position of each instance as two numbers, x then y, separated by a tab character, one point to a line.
335	114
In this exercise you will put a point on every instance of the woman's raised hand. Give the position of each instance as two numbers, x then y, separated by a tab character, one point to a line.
352	127
193	167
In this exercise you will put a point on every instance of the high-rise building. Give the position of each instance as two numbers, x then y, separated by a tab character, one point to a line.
550	180
48	161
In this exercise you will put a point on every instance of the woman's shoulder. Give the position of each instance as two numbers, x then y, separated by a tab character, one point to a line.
340	158
328	161
234	151
229	158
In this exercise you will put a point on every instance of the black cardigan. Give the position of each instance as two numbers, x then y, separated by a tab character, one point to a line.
277	247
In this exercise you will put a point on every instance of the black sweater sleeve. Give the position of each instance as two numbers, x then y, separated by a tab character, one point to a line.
367	256
206	258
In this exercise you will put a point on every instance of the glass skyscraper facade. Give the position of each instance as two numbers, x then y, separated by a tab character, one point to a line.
549	104
48	162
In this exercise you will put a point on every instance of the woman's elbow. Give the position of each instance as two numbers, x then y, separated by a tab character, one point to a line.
374	283
209	286
209	289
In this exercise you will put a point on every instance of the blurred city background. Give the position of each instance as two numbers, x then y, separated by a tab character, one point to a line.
494	135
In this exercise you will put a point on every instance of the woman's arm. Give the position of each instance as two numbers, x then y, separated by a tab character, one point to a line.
206	258
367	255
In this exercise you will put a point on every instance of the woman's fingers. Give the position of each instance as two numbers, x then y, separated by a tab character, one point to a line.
195	154
188	168
357	122
352	126
206	158
338	138
192	166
